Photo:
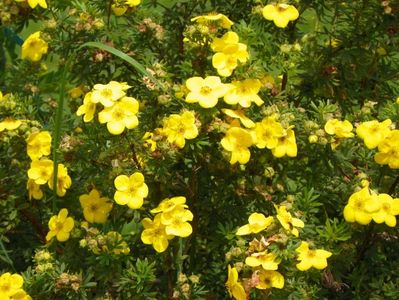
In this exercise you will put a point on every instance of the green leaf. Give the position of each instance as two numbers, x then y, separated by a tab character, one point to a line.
139	67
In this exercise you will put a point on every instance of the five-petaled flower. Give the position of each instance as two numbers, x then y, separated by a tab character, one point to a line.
280	14
60	226
131	191
95	207
257	222
205	91
311	258
234	287
288	222
178	128
237	141
34	47
154	233
38	144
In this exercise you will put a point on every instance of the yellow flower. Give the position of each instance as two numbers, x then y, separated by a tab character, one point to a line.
235	288
88	108
149	142
178	128
288	222
244	93
175	222
268	132
120	116
280	14
76	92
256	223
311	258
64	182
38	144
34	3
154	234
267	260
388	210
205	91
286	144
119	10
9	124
219	19
238	114
373	132
132	3
269	279
168	205
397	100
229	53
389	151
60	226
95	208
107	94
34	190
237	141
1	96
115	244
130	190
20	295
40	171
34	47
360	207
342	129
10	284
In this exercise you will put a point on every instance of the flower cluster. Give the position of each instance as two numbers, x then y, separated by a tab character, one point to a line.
267	134
43	260
178	128
119	111
34	47
41	169
11	287
131	190
60	226
95	208
98	243
364	206
170	220
228	53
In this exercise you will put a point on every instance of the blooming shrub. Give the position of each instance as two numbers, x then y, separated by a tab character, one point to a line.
199	149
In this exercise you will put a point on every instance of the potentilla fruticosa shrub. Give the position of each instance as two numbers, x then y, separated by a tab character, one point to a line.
199	149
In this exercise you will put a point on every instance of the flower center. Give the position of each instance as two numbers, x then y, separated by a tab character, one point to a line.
205	90
106	93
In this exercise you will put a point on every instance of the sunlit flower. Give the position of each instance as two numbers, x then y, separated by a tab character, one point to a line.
34	47
269	279
10	284
64	182
237	141
388	150
389	209
40	171
341	129
38	144
168	205
87	109
178	128
130	190
311	258
205	91
120	116
60	226
95	208
215	18
244	93
238	114
234	287
288	222
267	260
9	124
280	14
286	144
34	190
360	206
154	234
373	132
257	222
268	132
107	94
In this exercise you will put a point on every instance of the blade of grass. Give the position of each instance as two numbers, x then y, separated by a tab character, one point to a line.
138	66
6	258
